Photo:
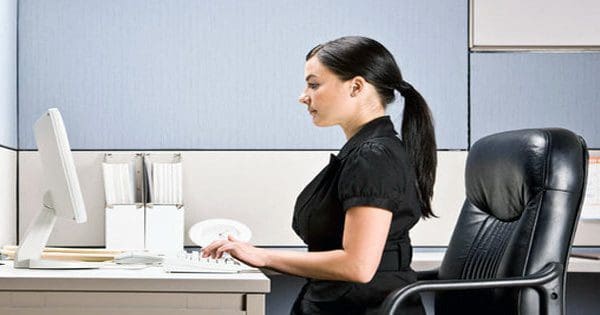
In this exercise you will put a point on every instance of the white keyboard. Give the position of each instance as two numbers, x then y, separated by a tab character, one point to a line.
193	263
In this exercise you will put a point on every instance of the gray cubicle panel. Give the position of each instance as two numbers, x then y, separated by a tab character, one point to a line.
525	90
8	75
221	74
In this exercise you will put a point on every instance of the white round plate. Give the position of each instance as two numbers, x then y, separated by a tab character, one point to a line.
205	232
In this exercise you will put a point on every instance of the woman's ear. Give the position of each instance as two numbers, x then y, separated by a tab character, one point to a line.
357	85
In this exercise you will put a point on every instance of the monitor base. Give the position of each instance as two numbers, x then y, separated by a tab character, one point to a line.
56	264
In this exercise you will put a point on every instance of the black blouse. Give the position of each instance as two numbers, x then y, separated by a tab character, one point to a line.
372	169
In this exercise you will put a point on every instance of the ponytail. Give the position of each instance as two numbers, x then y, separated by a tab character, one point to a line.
419	138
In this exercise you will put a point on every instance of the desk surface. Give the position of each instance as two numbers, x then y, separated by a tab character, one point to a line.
427	259
150	279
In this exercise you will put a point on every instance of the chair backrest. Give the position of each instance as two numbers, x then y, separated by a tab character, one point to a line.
524	193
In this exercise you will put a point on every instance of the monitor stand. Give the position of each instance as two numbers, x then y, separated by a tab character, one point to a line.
30	251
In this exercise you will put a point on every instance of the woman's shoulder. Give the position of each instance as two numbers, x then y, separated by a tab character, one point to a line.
381	147
377	168
379	155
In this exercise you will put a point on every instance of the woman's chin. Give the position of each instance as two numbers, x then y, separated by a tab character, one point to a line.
316	121
321	123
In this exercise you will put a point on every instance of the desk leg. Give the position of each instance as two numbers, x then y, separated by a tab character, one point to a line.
255	304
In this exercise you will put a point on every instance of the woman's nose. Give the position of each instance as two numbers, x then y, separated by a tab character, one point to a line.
303	98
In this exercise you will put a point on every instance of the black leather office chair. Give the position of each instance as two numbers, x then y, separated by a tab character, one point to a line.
509	250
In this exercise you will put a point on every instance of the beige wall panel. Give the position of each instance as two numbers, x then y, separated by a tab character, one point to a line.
258	188
255	187
588	230
66	232
535	23
588	233
8	197
448	198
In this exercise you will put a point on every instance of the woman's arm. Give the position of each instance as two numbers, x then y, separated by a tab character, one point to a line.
365	233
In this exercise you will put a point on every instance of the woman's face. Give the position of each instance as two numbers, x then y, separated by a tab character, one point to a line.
326	96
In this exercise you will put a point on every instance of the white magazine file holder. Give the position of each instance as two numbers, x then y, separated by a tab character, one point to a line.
164	210
124	212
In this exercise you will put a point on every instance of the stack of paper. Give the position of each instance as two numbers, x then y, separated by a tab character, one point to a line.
58	253
119	183
165	187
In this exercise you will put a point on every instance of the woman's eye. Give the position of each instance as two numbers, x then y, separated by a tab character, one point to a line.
313	85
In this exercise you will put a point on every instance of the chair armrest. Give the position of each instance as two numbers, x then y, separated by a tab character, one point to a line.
538	281
427	274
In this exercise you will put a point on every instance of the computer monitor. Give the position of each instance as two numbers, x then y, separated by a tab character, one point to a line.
61	194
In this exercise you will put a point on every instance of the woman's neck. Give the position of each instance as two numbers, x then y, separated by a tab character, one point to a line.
352	126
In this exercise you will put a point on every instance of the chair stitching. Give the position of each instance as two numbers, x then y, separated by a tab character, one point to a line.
503	232
510	228
495	234
481	251
487	255
468	262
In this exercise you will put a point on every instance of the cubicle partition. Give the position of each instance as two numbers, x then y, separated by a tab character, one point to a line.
221	74
221	85
8	74
218	81
8	121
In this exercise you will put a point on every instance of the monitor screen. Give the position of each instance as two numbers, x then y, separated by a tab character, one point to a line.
59	175
62	194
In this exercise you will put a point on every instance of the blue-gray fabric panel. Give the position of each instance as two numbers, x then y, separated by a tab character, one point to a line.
147	74
527	90
8	73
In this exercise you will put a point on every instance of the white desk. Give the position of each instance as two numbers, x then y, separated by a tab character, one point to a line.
427	259
148	291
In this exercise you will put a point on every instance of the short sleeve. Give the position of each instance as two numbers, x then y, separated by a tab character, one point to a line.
371	176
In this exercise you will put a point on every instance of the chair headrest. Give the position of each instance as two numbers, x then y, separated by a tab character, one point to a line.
505	170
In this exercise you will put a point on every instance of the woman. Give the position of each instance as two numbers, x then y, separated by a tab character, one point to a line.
356	214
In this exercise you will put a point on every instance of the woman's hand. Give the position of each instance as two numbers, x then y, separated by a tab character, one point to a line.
245	252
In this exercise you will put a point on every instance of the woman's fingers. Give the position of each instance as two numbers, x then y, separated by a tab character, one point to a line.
240	250
224	249
217	248
208	250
